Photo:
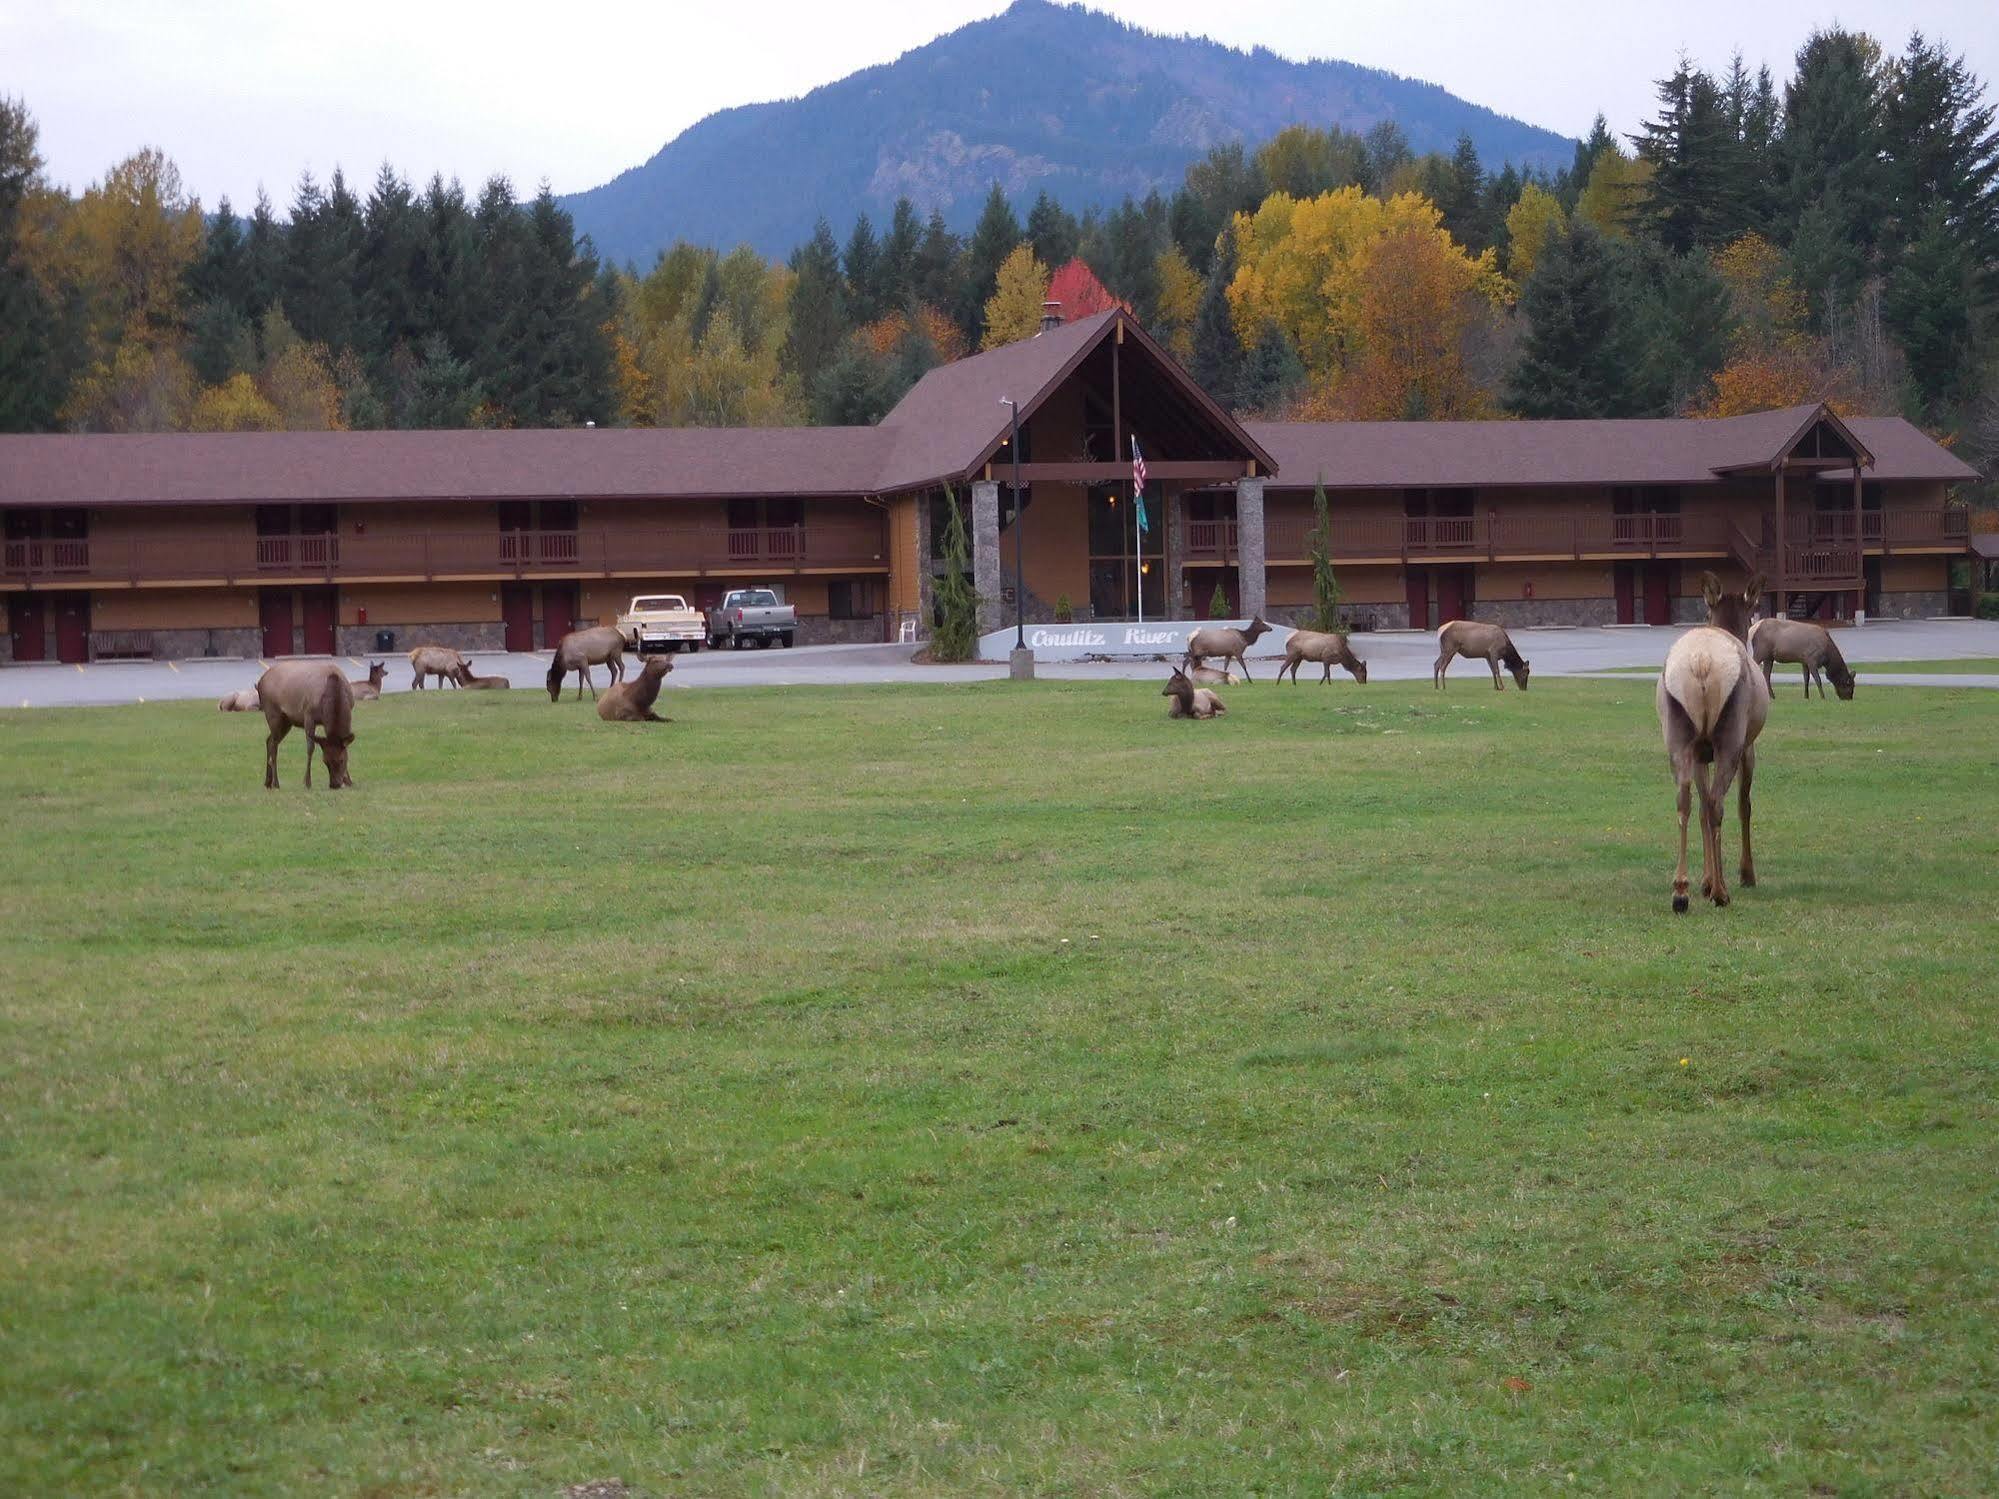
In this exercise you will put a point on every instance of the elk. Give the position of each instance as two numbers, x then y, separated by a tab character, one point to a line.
1190	701
314	696
578	651
1225	641
439	661
1328	647
1212	676
631	702
466	679
1810	645
1472	639
367	689
1712	703
242	701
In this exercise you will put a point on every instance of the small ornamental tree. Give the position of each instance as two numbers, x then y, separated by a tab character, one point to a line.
956	636
1218	606
1325	587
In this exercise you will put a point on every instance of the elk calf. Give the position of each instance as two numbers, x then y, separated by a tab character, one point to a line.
367	689
243	701
1189	701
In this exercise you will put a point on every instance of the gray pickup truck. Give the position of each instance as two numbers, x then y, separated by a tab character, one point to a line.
747	614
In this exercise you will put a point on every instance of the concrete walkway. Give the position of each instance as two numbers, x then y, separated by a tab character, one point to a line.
1391	656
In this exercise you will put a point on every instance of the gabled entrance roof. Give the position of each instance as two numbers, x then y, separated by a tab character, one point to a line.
953	420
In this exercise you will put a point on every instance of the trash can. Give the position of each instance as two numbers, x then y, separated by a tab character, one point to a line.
385	640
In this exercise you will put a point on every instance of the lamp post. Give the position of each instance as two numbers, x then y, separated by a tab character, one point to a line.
1020	665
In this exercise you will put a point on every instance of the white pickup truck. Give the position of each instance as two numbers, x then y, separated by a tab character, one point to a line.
662	622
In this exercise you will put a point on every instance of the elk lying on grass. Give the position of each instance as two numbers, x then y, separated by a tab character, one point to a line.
439	661
1810	645
1327	647
369	688
242	701
465	678
1225	641
1189	701
314	696
631	702
1712	703
578	651
1473	639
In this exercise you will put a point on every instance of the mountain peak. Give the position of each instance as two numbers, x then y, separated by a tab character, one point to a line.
1093	109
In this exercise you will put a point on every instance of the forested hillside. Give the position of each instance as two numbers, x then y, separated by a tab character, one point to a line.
1043	98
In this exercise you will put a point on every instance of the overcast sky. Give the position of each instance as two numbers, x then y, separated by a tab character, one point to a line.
251	92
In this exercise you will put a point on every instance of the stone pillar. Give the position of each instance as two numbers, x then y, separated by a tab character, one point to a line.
1249	545
986	554
1176	554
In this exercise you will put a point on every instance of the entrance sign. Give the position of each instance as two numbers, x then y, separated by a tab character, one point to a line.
1119	639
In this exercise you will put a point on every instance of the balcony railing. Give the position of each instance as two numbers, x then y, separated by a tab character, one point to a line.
661	551
1491	536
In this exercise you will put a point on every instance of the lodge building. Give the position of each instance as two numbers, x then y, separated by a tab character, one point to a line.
262	544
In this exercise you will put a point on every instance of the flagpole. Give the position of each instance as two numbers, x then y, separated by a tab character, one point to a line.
1137	537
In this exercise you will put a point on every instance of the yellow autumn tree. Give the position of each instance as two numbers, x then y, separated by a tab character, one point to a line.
1013	311
236	405
1179	302
1303	266
1615	188
1530	224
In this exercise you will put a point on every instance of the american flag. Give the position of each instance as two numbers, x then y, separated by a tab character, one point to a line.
1138	485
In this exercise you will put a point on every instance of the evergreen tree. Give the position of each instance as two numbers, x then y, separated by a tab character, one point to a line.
322	254
222	272
1682	324
1219	186
1273	374
937	270
1217	359
1928	307
955	636
31	378
818	307
390	270
1569	186
1385	152
221	342
263	259
1133	236
1831	146
1462	197
1575	359
1942	149
993	239
1325	587
898	257
1052	231
862	265
1753	116
1826	265
432	389
1691	198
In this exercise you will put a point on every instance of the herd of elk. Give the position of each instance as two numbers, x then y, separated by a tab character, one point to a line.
1810	646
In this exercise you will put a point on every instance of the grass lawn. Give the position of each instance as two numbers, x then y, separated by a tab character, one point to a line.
998	1088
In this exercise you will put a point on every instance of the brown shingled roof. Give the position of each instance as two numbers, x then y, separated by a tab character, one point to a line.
1444	455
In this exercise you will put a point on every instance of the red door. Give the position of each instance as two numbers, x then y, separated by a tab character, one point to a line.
72	627
1451	593
26	617
517	610
1417	580
318	619
1627	593
274	612
558	612
1658	594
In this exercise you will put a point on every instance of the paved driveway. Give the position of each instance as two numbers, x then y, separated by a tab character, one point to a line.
1392	655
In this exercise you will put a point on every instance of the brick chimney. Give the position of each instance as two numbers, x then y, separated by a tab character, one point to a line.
1051	315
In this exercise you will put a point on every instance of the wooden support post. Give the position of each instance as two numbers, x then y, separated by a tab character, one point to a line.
1859	543
1783	599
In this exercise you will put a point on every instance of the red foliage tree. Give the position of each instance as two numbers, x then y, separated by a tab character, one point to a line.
1079	291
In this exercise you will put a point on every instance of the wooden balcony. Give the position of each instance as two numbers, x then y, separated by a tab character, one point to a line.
744	554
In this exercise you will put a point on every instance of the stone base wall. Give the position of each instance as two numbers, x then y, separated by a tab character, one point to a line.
1383	616
821	629
359	640
7	648
192	645
1520	614
1917	605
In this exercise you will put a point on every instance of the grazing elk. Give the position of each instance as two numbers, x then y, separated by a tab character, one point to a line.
1190	701
1810	645
367	689
1472	639
489	684
1328	647
631	702
1225	641
578	651
314	696
1712	703
439	661
242	701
